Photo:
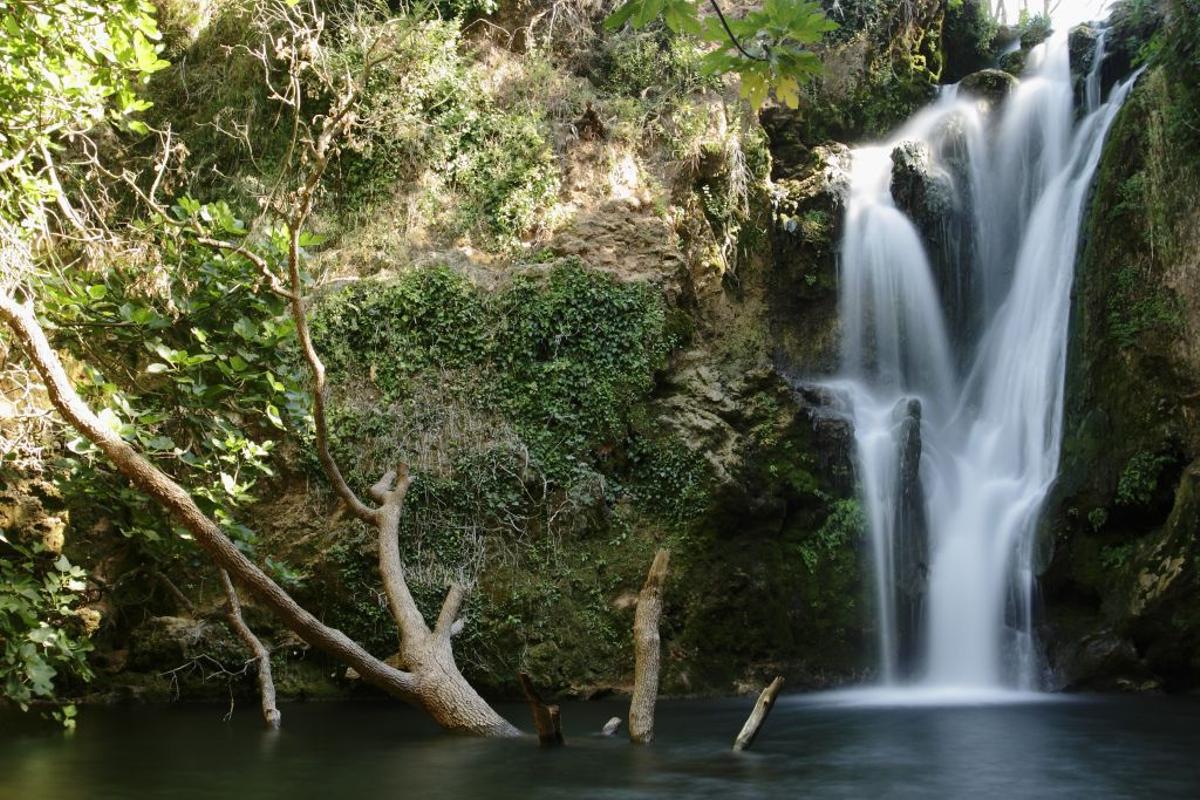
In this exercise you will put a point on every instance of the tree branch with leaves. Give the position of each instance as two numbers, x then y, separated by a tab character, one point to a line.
769	48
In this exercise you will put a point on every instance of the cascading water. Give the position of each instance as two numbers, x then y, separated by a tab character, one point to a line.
955	301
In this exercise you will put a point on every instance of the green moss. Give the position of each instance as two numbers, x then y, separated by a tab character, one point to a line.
1139	478
670	480
844	525
1135	308
553	612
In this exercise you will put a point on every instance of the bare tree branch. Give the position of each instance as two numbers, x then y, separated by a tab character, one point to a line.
266	683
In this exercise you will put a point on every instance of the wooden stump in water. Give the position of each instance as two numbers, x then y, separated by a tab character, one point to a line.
646	652
766	701
546	718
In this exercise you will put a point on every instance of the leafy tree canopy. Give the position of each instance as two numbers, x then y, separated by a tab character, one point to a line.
65	66
767	48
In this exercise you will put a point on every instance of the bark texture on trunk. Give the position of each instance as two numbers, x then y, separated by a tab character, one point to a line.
647	651
262	656
763	706
430	679
546	718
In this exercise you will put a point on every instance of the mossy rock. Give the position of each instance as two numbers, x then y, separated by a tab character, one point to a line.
1014	62
992	85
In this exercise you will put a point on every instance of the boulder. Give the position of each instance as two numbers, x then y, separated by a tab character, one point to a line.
1082	47
1103	661
992	85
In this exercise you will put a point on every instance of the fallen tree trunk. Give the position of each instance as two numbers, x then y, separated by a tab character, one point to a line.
262	656
766	701
647	652
547	720
431	679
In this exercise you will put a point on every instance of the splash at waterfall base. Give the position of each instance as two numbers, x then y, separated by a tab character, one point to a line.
955	277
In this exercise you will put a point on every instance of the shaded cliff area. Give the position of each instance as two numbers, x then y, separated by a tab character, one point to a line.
1121	592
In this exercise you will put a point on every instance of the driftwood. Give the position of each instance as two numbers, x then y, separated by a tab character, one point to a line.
266	683
766	701
546	718
611	727
647	652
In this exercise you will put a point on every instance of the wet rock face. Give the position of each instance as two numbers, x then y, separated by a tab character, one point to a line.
777	549
912	553
1014	62
921	190
1082	48
805	236
992	85
1131	25
930	196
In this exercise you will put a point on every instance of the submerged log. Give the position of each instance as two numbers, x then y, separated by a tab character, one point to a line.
646	650
546	718
766	701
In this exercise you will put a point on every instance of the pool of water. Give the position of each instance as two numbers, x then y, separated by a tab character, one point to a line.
813	746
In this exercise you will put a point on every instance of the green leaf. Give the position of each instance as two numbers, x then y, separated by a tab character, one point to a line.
754	88
41	677
647	12
160	443
245	329
619	17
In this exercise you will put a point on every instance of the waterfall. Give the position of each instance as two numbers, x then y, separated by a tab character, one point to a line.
955	280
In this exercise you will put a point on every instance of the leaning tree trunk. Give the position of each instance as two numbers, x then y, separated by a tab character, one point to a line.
647	652
430	679
762	709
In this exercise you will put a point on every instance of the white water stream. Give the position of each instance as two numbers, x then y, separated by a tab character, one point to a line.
971	321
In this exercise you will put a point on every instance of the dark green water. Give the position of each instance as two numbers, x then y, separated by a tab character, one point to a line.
1077	748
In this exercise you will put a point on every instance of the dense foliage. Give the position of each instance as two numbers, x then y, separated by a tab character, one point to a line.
563	356
66	66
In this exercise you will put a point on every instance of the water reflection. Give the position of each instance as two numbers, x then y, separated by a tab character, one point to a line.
816	746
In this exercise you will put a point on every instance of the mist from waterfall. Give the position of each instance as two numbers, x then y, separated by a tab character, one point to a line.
955	326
